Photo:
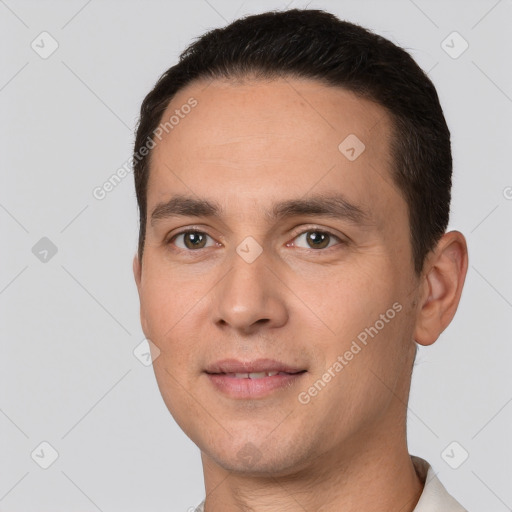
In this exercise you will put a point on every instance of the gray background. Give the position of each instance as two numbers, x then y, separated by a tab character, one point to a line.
70	324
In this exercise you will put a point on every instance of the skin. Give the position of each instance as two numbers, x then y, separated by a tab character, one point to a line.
247	146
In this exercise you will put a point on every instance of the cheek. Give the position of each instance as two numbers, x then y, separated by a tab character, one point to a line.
353	300
167	326
168	309
368	326
166	299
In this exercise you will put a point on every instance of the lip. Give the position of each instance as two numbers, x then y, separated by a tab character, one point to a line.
222	375
258	365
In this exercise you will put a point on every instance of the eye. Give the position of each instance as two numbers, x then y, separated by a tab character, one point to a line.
191	240
316	239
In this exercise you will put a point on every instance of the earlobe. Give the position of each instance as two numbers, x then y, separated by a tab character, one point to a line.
443	281
136	271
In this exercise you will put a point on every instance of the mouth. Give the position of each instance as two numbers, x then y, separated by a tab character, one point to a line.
256	375
252	379
255	367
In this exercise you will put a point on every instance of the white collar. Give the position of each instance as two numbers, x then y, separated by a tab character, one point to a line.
435	497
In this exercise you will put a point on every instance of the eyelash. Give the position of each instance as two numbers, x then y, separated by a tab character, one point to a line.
308	230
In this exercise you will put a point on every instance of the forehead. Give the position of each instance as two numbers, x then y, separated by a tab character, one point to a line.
261	138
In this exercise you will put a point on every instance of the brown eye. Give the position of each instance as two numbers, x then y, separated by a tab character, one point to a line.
190	240
316	239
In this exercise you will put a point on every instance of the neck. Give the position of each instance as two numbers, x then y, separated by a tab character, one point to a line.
377	476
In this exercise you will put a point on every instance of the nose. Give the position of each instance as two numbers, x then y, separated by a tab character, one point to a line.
250	297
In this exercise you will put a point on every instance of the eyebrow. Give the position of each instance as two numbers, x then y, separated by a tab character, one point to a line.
333	206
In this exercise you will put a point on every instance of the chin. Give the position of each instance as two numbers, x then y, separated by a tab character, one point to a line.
276	458
263	467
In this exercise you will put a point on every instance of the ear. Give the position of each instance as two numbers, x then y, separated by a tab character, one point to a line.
443	278
137	271
137	274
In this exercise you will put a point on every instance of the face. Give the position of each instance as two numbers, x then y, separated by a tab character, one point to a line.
277	278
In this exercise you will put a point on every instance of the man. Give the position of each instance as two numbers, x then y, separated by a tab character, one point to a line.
293	176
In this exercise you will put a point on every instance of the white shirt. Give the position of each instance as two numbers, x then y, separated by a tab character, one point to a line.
434	497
